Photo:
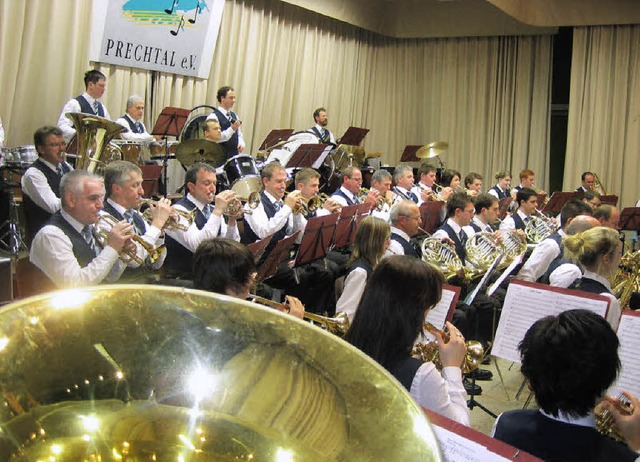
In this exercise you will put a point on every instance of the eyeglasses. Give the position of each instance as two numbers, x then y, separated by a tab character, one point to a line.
62	144
411	216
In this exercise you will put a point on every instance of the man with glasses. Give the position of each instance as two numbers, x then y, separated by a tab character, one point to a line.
405	223
347	194
41	181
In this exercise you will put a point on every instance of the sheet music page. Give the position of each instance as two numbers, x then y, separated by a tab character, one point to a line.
318	163
456	448
438	314
629	336
524	305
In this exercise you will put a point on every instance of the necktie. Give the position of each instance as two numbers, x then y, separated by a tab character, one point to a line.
130	217
60	170
277	205
138	127
230	117
206	211
96	106
87	234
412	196
325	135
463	237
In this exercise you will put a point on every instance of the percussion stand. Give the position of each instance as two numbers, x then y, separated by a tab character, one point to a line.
472	402
170	122
15	243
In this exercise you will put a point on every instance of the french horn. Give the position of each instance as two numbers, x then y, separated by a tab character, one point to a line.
163	373
539	227
429	352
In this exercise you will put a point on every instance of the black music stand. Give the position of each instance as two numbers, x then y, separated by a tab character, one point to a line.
257	248
409	153
316	239
279	254
430	215
274	137
558	199
350	218
611	199
170	123
308	155
353	136
629	219
504	205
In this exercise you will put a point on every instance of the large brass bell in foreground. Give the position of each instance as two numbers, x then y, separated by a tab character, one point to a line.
158	373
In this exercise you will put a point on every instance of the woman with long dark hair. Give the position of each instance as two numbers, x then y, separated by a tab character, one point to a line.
389	320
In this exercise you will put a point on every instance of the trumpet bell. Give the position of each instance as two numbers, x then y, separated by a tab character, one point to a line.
161	373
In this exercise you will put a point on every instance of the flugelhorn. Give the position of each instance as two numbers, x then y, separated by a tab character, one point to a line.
338	325
128	254
429	351
236	207
175	219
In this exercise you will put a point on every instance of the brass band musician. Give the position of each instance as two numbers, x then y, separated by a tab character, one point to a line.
132	121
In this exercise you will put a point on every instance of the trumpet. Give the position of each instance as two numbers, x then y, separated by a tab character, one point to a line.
175	220
380	203
605	423
338	325
128	254
236	207
436	190
429	351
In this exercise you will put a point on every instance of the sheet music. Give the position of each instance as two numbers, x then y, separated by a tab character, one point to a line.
456	448
318	163
629	377
524	305
438	314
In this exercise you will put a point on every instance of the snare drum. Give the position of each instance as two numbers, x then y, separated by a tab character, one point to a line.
131	150
243	175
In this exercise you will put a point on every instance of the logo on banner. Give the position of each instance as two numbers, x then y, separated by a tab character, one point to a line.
175	36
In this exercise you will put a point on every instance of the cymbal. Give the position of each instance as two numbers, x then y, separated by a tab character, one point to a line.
199	150
434	149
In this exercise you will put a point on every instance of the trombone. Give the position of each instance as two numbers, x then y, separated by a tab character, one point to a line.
175	219
128	254
338	325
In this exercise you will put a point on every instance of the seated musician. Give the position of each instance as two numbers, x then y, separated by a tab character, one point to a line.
41	182
370	243
593	199
527	201
548	253
132	121
473	184
501	189
227	267
386	326
588	182
95	84
569	360
321	118
314	285
487	209
451	179
381	181
66	249
599	251
527	180
426	187
123	185
347	194
627	424
607	215
403	179
460	211
307	182
405	223
231	139
208	209
211	130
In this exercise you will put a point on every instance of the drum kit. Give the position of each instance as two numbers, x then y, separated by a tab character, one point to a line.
13	162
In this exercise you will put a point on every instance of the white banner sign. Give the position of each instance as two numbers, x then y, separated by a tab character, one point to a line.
175	36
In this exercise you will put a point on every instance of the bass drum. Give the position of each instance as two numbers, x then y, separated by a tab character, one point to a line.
191	129
284	154
243	175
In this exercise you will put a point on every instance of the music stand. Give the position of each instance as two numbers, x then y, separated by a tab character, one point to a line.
430	215
611	199
504	205
258	247
308	156
409	153
558	199
171	121
316	239
274	137
279	254
630	219
350	218
353	136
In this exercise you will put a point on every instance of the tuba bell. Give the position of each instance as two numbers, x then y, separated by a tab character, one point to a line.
93	134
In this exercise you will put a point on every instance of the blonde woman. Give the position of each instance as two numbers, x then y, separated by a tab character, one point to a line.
370	243
598	250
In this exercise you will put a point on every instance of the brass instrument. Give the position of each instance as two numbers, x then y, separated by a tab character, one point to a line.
338	325
128	254
429	351
236	208
311	205
175	219
483	248
139	372
626	281
93	134
606	424
380	203
442	256
540	227
598	186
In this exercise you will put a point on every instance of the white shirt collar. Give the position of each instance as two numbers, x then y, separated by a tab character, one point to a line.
72	221
596	277
455	226
348	193
425	185
197	203
120	209
400	233
89	98
128	116
49	164
226	112
522	215
483	226
585	421
320	128
271	197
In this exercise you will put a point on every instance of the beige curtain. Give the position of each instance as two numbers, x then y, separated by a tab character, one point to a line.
488	97
604	110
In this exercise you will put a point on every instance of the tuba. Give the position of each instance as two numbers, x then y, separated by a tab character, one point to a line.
93	134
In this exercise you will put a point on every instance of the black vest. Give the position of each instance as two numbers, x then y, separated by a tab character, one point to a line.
230	146
460	250
559	260
341	193
81	250
501	194
556	441
475	227
405	371
323	139
86	108
250	236
406	245
361	264
589	285
132	125
36	216
518	221
179	260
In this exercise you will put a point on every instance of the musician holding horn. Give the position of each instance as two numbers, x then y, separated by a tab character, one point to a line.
66	249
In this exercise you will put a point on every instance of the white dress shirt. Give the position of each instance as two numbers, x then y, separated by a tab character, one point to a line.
35	185
72	105
129	135
508	222
192	237
418	189
614	313
484	228
332	139
341	200
262	225
564	275
442	233
540	259
152	236
52	252
443	392
395	248
495	194
404	194
353	288
228	133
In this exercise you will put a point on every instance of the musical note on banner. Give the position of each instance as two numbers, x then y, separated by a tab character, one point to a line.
180	26
195	16
175	2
